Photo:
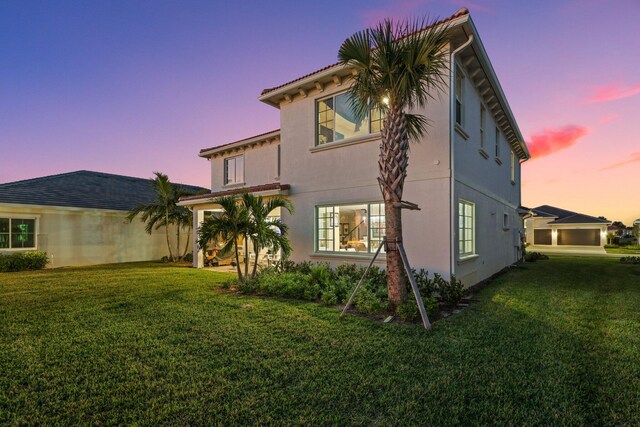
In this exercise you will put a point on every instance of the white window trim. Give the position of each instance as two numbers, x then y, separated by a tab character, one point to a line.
225	169
341	142
513	167
465	255
36	218
344	254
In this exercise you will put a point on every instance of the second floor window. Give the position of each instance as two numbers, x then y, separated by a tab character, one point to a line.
459	94
234	170
483	114
497	142
335	120
513	167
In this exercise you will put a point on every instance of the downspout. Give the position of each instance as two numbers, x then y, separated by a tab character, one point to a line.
452	124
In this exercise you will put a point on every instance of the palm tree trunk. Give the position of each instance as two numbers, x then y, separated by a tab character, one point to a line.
246	256
166	228
256	249
186	247
178	240
235	246
392	165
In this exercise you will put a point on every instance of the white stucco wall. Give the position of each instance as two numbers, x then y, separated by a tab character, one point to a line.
73	237
260	166
347	174
486	181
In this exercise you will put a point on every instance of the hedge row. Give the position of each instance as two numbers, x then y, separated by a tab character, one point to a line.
21	261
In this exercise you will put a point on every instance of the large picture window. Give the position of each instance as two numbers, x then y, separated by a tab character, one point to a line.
466	228
350	228
335	120
17	233
234	170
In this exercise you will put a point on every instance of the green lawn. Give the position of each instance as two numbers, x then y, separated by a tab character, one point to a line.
555	343
630	250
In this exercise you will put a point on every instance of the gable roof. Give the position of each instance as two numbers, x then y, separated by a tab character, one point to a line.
83	189
474	59
564	216
461	12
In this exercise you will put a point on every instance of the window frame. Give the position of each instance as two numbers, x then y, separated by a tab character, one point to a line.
463	230
225	178
459	84
483	119
497	141
513	167
334	224
369	120
36	225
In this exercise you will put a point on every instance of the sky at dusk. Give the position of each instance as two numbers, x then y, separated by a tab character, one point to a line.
131	87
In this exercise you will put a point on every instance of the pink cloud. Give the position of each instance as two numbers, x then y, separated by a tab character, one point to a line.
608	118
612	92
551	140
633	158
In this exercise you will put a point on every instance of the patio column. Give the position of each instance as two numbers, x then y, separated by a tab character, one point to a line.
198	217
554	237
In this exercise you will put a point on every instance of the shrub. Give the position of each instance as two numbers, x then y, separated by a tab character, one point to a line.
20	261
188	257
630	260
367	302
534	256
409	311
452	292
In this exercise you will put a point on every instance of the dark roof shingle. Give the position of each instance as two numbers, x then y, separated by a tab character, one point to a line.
564	216
83	189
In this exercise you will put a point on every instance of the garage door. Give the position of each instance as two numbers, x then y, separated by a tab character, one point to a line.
541	237
587	237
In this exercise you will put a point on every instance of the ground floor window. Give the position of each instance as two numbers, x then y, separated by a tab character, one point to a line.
466	228
350	228
17	233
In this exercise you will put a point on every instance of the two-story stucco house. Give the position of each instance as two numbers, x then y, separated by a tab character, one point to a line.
465	175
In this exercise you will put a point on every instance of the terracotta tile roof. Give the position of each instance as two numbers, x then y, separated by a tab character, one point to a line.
461	12
238	141
254	189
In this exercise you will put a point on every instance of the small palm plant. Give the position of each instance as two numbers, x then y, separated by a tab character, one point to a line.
398	66
160	212
265	231
228	226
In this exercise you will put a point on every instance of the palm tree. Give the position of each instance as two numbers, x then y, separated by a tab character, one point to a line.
229	226
397	67
266	232
160	212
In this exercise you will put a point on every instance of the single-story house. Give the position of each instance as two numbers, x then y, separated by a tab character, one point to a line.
549	227
464	175
79	218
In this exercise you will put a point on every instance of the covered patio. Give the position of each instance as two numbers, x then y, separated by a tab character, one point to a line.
204	205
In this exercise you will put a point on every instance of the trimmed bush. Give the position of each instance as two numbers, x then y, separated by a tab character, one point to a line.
21	261
630	260
534	256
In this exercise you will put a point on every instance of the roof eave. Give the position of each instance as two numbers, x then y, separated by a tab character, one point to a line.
260	139
482	55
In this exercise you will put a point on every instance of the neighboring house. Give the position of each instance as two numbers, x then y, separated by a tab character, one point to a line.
79	218
465	175
547	226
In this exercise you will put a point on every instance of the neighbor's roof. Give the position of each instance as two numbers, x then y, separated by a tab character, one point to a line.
83	189
564	216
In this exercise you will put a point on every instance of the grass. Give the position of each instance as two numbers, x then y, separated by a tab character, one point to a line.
631	250
555	343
